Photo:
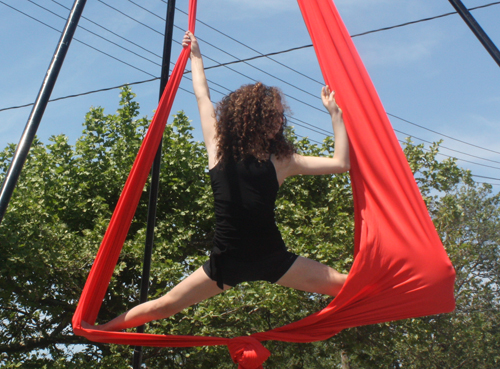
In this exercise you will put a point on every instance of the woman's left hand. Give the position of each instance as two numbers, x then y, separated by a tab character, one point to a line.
328	98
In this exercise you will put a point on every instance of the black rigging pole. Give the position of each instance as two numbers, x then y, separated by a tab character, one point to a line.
36	115
155	178
476	28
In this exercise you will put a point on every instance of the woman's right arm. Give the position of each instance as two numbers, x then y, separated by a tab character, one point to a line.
202	93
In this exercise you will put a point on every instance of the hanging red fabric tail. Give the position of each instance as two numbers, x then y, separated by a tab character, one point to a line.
111	246
401	269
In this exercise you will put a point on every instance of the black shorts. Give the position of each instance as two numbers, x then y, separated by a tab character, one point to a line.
226	270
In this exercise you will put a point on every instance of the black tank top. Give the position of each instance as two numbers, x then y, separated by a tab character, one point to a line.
245	194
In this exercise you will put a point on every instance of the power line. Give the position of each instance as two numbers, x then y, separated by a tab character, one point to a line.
135	20
261	55
421	20
219	64
452	157
231	55
475	175
75	39
97	35
225	64
309	128
113	33
212	82
464	160
442	134
145	25
301	125
352	36
387	113
447	148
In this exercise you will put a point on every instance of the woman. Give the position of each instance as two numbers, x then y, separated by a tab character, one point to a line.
248	159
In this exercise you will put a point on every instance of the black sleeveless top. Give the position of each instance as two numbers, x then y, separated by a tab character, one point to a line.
246	234
244	194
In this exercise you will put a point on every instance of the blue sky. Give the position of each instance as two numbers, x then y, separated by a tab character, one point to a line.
434	74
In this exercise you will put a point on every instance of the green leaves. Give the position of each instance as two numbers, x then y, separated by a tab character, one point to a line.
62	206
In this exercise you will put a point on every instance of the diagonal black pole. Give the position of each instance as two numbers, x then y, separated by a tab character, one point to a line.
155	178
35	117
477	29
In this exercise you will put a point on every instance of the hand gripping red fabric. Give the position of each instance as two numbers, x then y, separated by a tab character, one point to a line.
400	269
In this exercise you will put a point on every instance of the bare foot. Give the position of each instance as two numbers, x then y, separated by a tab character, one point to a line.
86	325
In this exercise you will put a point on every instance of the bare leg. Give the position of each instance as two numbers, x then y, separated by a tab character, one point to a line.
195	288
311	276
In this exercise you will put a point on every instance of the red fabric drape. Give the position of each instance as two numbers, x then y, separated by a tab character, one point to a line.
400	269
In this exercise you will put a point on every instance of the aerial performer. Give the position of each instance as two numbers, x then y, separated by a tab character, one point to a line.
249	158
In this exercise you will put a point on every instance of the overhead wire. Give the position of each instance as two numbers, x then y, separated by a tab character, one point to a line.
307	126
110	31
352	36
261	55
447	148
239	60
458	159
220	64
227	53
442	134
74	38
212	59
48	10
100	90
131	18
279	52
281	80
314	129
97	35
423	20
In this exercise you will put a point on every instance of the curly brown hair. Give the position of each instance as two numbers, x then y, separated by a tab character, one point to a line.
251	122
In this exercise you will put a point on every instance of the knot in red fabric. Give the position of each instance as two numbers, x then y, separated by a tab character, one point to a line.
247	352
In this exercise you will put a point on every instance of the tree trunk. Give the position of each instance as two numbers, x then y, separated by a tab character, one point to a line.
344	360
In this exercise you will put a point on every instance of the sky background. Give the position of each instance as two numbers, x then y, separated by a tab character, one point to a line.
434	74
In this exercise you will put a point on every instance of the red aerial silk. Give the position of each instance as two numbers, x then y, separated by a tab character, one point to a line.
400	269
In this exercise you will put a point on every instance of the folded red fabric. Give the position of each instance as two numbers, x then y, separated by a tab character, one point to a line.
400	269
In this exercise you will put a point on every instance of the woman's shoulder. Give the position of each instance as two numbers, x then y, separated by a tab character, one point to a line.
282	166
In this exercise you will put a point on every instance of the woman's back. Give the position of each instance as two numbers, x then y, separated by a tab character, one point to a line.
244	195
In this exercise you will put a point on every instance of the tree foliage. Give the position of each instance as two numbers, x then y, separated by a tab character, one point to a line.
63	204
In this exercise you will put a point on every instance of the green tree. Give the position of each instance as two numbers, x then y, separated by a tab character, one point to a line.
65	198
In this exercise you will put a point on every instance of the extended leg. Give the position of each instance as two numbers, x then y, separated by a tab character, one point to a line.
195	288
311	276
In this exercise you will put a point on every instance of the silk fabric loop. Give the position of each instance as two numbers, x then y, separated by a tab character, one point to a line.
400	269
247	352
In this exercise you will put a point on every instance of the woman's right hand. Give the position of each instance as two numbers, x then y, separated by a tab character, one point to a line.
189	39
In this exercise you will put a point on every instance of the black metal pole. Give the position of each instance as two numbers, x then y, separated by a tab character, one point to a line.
476	28
155	178
29	133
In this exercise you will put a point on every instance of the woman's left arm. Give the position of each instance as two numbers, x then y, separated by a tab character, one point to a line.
340	162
